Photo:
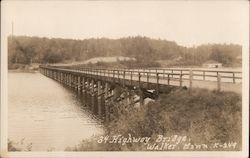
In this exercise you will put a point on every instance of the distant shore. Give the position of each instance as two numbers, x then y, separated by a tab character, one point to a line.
24	68
20	70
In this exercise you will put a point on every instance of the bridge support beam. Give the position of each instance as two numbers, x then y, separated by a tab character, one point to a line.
88	94
106	101
76	82
79	83
67	79
99	98
93	96
101	95
83	85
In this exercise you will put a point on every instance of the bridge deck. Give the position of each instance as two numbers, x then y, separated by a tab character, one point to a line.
147	78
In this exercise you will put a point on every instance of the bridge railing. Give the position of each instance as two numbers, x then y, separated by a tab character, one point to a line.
203	75
166	76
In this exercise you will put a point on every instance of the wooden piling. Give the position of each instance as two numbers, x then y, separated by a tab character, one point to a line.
106	102
83	84
88	93
92	96
99	98
79	83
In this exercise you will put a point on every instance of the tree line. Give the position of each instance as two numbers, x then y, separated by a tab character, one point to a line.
27	50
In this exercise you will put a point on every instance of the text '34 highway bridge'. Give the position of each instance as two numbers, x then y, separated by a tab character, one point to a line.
102	87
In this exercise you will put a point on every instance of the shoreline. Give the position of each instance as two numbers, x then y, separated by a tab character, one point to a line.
21	71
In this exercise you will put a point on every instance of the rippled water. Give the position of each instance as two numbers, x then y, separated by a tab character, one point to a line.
47	114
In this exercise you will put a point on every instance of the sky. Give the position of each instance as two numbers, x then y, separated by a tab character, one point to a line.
189	23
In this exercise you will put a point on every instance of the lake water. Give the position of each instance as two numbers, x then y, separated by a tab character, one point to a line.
43	112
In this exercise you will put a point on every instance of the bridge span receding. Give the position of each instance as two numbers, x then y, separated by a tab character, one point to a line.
102	86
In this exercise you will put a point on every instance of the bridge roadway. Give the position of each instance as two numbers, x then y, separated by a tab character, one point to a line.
109	92
159	78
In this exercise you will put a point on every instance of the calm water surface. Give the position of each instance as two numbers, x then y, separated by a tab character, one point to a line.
43	112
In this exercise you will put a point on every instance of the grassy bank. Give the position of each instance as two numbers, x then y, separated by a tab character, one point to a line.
205	117
21	145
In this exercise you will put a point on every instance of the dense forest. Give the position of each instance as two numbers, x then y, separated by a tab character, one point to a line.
27	50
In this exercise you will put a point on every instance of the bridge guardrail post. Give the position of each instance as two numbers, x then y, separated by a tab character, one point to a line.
68	80
131	77
124	74
233	77
190	79
218	82
157	81
168	78
148	80
139	79
118	73
113	76
73	81
181	80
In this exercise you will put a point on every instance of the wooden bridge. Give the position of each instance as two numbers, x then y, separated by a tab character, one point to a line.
103	86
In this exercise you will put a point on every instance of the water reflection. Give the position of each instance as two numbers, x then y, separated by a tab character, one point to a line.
46	113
